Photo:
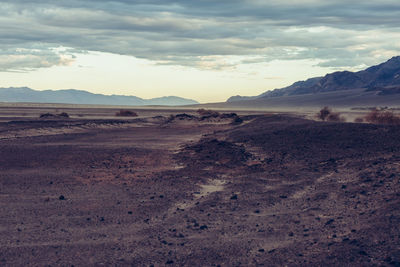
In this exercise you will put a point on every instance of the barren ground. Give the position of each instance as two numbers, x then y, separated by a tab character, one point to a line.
274	190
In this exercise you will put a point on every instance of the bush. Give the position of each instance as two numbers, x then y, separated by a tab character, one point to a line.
63	114
228	115
126	113
382	117
184	116
359	120
323	113
207	113
50	115
47	115
326	114
237	120
335	117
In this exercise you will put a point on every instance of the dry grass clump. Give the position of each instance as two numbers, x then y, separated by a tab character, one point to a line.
382	117
211	114
63	114
50	115
326	114
126	113
228	115
237	120
47	115
323	113
208	113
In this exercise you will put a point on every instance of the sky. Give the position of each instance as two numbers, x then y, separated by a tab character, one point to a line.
205	50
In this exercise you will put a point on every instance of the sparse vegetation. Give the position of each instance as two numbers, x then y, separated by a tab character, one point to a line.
47	115
50	115
382	117
237	120
326	114
171	118
323	113
126	113
63	114
335	117
208	113
228	115
184	116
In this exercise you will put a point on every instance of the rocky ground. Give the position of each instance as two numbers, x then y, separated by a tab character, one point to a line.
270	190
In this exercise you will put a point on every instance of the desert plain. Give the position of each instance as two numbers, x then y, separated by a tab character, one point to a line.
174	188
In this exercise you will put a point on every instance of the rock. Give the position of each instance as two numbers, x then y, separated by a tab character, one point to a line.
330	221
363	253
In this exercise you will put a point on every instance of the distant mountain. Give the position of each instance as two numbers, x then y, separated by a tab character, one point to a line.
72	96
383	79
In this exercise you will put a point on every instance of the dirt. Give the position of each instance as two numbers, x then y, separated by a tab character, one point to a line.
272	190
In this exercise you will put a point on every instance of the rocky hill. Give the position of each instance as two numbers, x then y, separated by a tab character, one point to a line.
383	79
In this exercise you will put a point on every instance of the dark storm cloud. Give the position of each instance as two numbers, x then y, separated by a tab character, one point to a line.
188	32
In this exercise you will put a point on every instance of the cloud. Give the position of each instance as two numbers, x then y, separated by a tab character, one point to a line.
27	59
202	33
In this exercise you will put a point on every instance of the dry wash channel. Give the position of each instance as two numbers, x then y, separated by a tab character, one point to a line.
274	190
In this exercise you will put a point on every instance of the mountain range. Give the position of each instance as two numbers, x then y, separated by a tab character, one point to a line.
376	85
72	96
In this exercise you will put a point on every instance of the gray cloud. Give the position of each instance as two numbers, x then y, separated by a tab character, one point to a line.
197	33
33	57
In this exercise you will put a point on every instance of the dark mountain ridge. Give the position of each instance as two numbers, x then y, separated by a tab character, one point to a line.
381	78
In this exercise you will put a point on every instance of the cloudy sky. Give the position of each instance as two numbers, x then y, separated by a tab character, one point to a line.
207	50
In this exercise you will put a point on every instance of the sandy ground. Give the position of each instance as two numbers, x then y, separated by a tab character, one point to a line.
274	190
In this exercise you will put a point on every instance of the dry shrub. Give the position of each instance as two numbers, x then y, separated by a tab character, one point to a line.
382	117
126	113
208	113
228	115
63	114
326	114
372	116
184	116
47	115
359	120
237	120
335	117
50	115
169	119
